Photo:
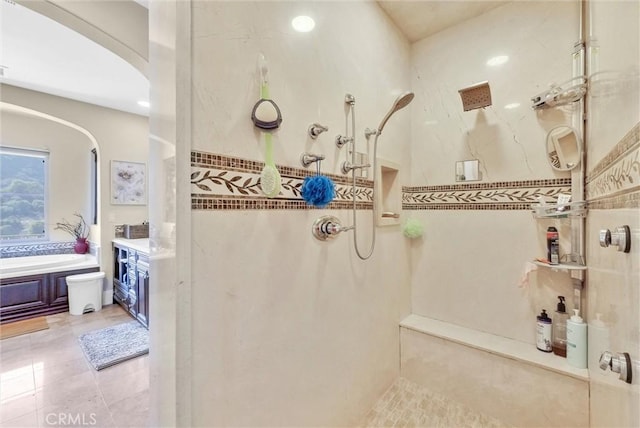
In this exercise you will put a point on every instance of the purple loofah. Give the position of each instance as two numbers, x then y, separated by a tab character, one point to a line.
318	190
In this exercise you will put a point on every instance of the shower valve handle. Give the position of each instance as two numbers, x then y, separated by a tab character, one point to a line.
317	129
341	140
328	227
348	166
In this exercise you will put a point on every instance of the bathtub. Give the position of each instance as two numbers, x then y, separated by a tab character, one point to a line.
35	265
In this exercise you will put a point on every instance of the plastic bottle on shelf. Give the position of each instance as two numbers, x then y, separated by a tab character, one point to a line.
559	331
598	340
577	341
553	246
543	332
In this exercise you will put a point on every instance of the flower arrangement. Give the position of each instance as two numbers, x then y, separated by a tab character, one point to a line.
78	229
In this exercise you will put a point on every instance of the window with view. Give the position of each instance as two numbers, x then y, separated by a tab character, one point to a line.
23	195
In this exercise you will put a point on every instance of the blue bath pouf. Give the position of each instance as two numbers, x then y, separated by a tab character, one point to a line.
318	190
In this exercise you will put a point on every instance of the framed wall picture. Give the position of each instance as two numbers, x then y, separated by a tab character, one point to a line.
128	183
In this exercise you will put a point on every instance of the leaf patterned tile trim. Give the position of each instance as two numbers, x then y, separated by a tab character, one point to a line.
228	183
516	195
615	181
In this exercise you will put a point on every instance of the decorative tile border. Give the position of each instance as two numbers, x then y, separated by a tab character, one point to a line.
36	249
504	195
615	181
209	202
228	183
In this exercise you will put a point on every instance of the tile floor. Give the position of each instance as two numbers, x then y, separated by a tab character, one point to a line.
407	404
46	381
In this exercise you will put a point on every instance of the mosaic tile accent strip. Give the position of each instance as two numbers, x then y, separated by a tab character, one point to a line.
615	180
36	249
407	404
208	202
626	144
228	183
504	195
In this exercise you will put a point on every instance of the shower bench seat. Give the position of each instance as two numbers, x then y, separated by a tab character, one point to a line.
503	378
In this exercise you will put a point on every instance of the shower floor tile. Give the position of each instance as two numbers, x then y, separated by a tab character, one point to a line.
407	404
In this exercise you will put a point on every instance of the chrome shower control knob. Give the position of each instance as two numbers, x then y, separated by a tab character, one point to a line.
619	363
328	227
325	227
619	238
605	238
605	360
317	129
341	140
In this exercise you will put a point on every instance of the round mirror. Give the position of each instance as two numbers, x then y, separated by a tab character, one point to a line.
564	148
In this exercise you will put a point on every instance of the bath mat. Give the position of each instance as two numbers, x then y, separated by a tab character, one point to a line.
112	345
18	328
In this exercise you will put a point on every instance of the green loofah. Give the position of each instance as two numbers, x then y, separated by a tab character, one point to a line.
413	228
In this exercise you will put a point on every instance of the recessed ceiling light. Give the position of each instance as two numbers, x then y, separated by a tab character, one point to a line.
303	23
512	106
142	103
497	60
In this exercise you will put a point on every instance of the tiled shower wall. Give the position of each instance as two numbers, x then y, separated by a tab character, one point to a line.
274	307
613	191
469	266
289	330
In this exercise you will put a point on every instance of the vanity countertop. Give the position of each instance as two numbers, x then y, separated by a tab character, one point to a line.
141	244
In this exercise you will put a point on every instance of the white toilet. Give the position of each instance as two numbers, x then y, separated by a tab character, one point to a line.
85	292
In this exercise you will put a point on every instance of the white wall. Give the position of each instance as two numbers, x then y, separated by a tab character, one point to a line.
118	26
69	158
289	331
120	136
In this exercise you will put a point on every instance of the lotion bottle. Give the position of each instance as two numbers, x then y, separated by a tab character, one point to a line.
577	341
543	332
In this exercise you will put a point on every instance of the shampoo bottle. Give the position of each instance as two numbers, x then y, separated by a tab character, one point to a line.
543	332
577	341
560	329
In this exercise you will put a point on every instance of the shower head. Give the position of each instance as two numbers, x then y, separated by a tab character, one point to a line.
401	102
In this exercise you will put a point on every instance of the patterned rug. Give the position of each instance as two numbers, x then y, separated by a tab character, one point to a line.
112	345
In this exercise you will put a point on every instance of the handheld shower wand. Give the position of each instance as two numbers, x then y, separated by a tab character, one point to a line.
402	101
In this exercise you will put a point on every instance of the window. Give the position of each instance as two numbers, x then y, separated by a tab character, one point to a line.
94	186
23	195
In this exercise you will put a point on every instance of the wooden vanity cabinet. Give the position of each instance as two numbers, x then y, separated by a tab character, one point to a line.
131	281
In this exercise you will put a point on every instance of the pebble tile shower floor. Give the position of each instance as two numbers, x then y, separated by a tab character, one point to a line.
407	404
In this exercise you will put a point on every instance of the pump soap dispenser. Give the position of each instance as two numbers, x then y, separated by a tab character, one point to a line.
543	332
559	330
577	341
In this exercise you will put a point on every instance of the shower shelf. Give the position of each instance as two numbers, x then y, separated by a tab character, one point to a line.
389	199
562	267
571	209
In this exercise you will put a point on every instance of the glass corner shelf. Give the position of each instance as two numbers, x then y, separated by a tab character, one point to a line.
571	209
568	266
